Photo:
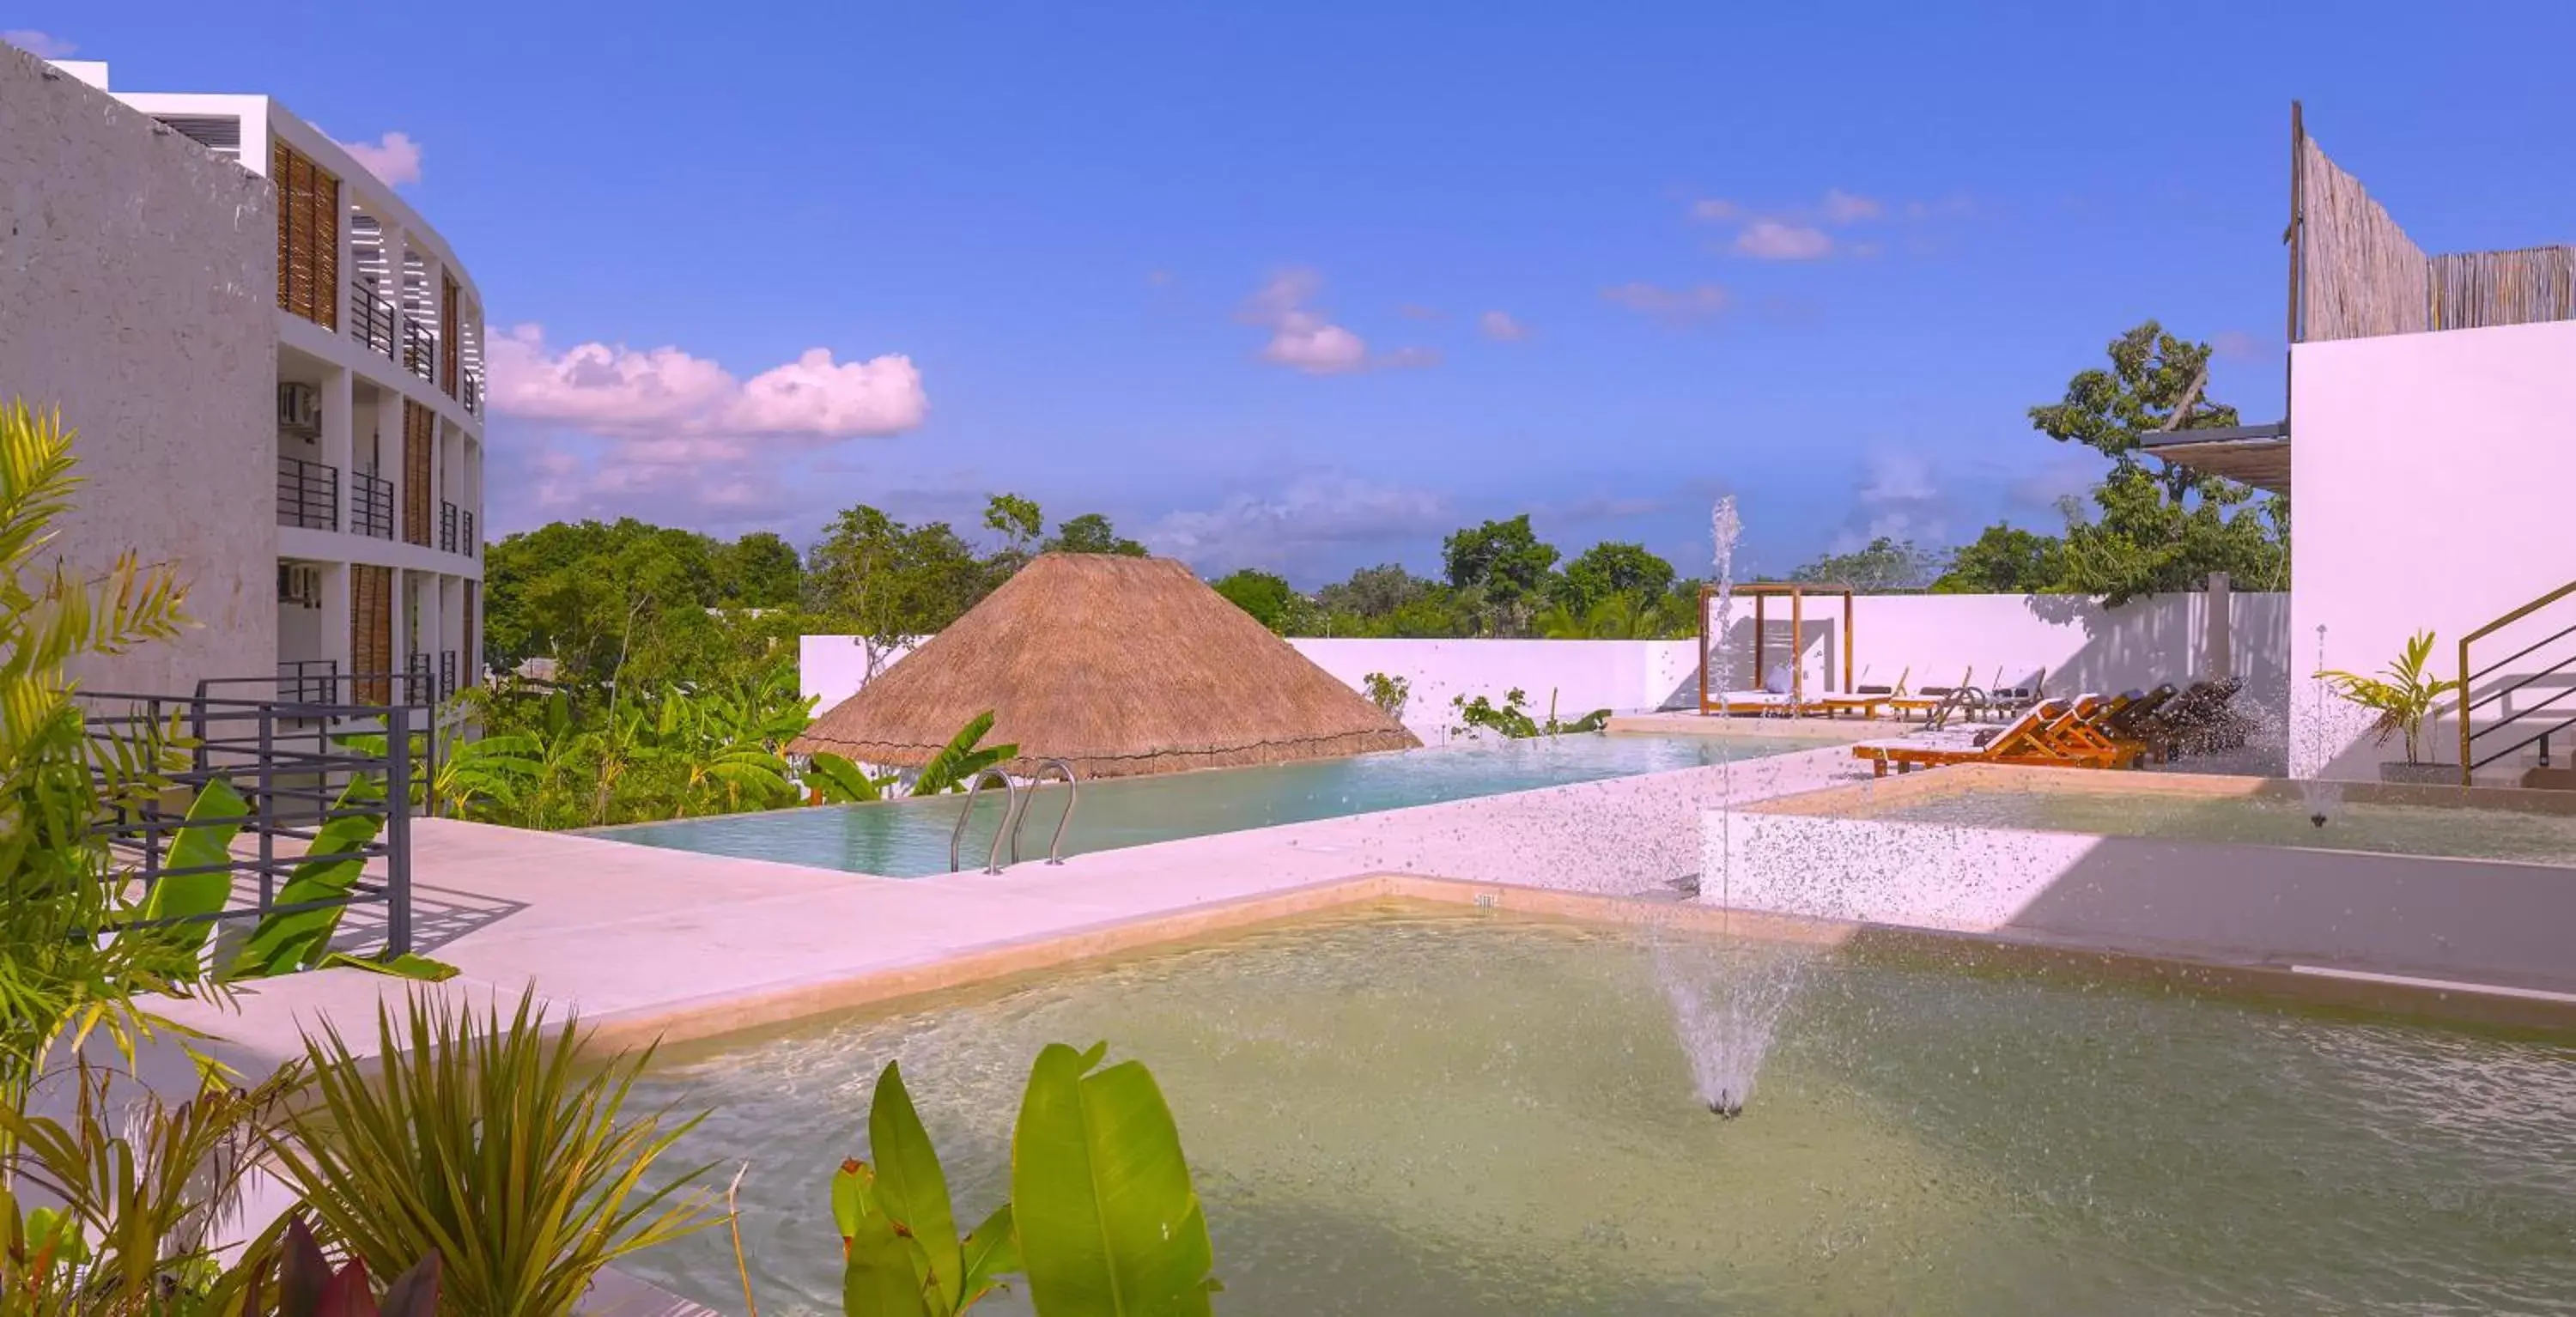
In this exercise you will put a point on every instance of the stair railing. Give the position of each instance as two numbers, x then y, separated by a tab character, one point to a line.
2512	732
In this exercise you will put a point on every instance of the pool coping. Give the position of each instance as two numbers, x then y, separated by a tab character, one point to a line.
1958	779
790	1001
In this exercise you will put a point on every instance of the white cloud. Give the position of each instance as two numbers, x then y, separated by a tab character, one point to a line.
1773	240
1303	338
1842	207
1715	208
1954	206
42	45
1671	305
1501	327
393	158
1898	498
664	393
1312	518
2243	345
2069	474
1417	311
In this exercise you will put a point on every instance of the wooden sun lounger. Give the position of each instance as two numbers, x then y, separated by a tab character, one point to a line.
2077	735
1930	700
2015	742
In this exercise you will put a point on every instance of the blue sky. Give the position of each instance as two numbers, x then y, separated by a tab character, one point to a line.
1225	271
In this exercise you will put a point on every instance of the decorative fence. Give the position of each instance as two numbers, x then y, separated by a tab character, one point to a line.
2355	273
291	761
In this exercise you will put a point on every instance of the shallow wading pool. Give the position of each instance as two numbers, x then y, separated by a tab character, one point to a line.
910	838
1469	1113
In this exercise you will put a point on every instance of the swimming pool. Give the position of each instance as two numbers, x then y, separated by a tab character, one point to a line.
2274	818
1451	1114
910	838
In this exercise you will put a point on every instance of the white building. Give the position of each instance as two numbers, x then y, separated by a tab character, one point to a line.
378	435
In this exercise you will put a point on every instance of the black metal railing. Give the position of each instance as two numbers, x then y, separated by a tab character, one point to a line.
371	318
420	680
446	526
291	761
308	494
446	675
308	681
473	396
466	543
419	350
2511	729
371	505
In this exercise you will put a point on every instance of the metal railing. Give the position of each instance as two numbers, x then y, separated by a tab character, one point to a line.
308	681
291	762
2512	730
371	318
420	680
446	526
1001	834
419	351
446	675
466	543
371	505
308	494
1072	797
473	396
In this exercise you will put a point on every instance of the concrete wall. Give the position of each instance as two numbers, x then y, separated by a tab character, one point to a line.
1929	639
2435	478
139	275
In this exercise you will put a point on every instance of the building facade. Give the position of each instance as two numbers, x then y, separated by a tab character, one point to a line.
377	441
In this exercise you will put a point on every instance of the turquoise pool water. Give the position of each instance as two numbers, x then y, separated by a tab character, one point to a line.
909	838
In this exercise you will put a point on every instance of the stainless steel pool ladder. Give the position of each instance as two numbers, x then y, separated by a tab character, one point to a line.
1015	812
1010	816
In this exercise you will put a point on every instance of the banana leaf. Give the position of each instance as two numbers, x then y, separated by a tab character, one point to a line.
1108	1223
214	819
839	782
879	1278
913	1189
301	939
959	761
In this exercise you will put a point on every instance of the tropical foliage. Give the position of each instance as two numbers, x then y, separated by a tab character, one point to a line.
2402	696
484	1139
1512	719
1102	1219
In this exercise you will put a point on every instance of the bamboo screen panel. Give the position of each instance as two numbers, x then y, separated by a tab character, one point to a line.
2360	275
420	438
447	334
371	632
308	236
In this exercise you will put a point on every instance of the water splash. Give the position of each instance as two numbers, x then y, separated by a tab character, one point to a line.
1727	994
2323	795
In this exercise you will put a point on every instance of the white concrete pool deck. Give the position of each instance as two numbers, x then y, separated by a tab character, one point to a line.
639	940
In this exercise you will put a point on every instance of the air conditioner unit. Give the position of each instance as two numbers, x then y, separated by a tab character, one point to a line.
299	584
299	406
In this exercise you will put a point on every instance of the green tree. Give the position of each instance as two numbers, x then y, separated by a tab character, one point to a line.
1092	533
1612	568
2166	527
1505	566
874	576
1884	566
1266	595
1017	518
605	601
760	570
2005	560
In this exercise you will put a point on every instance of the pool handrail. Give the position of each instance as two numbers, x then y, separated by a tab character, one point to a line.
1010	816
1072	797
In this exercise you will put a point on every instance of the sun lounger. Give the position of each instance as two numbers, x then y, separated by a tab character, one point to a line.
2079	734
1929	699
2016	742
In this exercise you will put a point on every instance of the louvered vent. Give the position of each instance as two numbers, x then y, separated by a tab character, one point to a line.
219	133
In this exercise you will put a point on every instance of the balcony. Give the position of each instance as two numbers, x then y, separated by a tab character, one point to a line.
446	675
467	542
371	318
419	351
308	494
371	505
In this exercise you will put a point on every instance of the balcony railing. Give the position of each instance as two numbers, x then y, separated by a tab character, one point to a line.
371	318
419	351
420	680
371	505
466	541
473	395
446	675
308	494
446	526
308	681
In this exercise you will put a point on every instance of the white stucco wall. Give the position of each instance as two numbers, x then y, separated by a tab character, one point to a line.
1936	638
138	273
2435	480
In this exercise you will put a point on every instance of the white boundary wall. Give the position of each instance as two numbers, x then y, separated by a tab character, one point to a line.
1931	639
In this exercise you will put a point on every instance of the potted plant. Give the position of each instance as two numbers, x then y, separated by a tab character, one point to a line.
2403	696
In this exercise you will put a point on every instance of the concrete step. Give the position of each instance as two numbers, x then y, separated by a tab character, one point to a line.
2551	779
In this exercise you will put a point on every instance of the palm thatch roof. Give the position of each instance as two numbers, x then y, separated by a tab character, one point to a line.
1123	666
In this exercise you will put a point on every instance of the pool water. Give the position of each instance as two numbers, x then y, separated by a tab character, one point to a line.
1459	1113
910	838
2486	834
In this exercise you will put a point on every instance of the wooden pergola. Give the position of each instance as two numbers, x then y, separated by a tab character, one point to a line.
1762	591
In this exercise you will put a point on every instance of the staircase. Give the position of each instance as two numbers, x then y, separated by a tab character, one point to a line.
2517	711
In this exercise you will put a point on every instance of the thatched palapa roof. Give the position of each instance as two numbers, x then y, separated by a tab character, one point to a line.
1121	665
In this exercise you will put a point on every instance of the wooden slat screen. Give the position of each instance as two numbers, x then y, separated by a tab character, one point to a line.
447	338
371	631
420	502
308	236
